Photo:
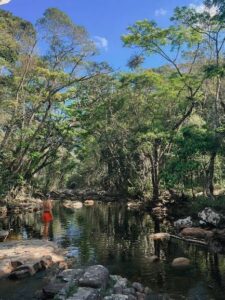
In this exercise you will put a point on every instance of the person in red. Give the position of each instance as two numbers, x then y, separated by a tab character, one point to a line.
47	216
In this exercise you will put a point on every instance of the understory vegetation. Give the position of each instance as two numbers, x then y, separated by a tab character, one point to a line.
67	121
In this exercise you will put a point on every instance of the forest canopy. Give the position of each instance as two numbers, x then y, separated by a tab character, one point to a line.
67	121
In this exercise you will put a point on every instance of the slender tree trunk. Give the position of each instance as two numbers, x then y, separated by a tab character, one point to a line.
210	175
154	158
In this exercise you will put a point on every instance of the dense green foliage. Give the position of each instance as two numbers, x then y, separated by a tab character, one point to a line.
68	121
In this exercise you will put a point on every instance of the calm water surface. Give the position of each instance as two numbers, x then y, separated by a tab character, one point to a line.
111	235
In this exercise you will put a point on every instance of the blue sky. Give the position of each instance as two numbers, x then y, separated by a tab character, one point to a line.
105	20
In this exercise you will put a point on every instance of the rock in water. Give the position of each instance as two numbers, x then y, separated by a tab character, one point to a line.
181	262
95	277
160	236
196	232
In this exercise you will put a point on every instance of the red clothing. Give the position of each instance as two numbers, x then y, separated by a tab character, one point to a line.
47	216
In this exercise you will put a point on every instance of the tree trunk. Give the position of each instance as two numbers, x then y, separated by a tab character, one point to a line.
154	158
210	175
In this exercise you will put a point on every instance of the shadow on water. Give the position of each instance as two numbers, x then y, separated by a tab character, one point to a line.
119	238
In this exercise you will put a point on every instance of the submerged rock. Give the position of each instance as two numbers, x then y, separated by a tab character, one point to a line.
160	236
181	262
197	233
72	204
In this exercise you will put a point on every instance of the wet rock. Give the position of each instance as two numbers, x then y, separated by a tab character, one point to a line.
95	277
183	223
211	217
138	287
70	274
147	290
72	204
160	236
196	232
22	272
89	202
154	258
117	297
129	291
3	234
52	289
46	261
181	262
86	293
5	267
140	296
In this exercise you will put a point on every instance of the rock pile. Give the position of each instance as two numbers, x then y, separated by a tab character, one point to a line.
94	283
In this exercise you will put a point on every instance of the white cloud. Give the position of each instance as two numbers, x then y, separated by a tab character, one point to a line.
101	42
2	2
202	8
160	12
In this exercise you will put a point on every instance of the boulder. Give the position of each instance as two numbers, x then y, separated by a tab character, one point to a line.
52	289
5	267
154	258
3	234
183	223
22	272
211	217
89	202
138	287
160	236
95	276
197	233
181	262
117	297
86	293
72	204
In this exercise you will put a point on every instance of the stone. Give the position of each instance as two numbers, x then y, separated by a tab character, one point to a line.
52	289
22	272
95	276
196	232
89	202
154	258
72	204
5	267
147	290
183	223
132	297
138	287
85	293
117	297
71	274
140	296
129	291
3	234
181	262
160	236
46	261
211	217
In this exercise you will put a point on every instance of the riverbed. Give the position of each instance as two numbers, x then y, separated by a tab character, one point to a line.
119	238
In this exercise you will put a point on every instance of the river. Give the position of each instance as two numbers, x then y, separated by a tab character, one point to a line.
119	238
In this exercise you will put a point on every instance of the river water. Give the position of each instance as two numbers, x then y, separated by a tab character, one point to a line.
119	238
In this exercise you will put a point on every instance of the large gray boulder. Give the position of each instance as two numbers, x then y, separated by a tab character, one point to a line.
95	276
211	217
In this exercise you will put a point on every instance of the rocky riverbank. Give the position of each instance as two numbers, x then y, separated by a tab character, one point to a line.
20	259
95	283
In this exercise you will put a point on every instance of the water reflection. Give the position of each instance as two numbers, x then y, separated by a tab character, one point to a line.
120	239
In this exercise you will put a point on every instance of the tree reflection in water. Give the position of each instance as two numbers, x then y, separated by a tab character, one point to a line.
119	238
